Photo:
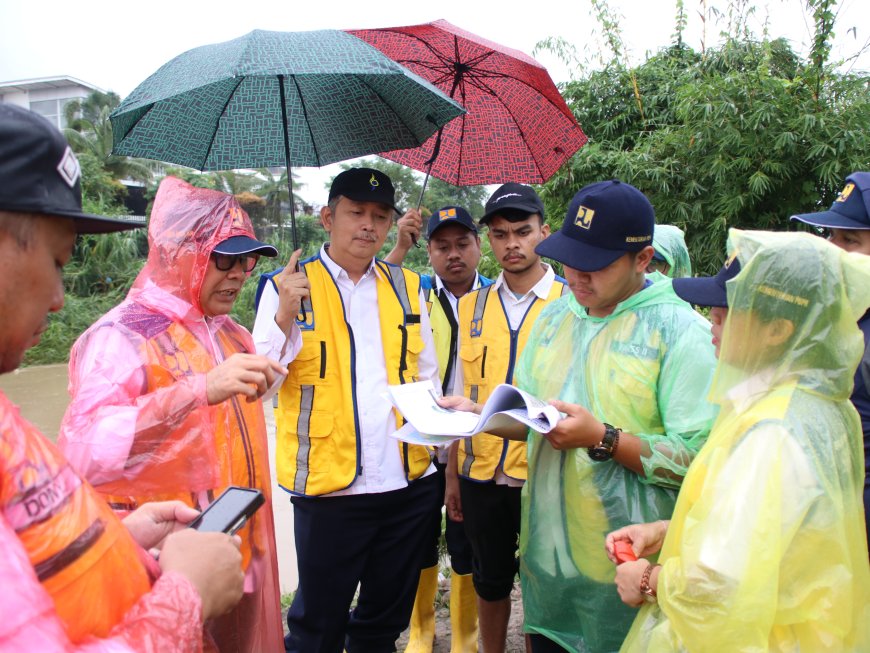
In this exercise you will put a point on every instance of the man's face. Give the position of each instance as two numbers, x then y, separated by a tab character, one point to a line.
31	284
602	290
357	230
454	252
852	240
221	288
513	243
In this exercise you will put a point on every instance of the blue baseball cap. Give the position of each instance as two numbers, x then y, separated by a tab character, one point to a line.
851	209
708	291
604	221
449	215
237	245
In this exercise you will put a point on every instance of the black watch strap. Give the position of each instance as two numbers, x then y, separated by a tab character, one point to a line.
605	449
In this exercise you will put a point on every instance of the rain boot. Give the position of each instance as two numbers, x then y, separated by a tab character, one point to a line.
463	614
422	635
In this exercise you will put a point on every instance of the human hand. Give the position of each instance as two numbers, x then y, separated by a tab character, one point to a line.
458	402
452	499
578	429
151	523
293	288
212	562
409	228
645	539
628	576
246	374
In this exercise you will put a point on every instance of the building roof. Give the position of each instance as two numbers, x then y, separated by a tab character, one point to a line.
39	83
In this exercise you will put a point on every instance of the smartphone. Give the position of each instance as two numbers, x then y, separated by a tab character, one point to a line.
230	511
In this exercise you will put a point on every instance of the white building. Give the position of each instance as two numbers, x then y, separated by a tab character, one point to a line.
46	95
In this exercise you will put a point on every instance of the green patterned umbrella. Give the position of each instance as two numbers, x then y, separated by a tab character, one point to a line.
278	99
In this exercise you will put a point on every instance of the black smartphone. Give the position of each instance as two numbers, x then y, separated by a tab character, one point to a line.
229	512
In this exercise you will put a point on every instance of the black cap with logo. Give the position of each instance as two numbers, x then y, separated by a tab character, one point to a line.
40	174
513	201
364	185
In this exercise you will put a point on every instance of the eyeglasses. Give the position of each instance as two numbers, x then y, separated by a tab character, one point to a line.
226	262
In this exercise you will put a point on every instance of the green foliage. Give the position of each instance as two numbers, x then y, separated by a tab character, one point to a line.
744	135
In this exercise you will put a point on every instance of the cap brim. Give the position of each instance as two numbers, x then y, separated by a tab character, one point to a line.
519	206
445	223
367	198
85	223
244	245
701	291
831	220
576	254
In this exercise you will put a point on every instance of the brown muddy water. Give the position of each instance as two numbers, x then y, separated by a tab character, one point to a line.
41	394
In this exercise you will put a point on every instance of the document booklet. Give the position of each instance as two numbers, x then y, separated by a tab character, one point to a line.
507	404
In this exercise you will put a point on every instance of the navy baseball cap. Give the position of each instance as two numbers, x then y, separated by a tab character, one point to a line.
851	209
237	245
604	221
40	173
364	185
708	291
449	215
513	201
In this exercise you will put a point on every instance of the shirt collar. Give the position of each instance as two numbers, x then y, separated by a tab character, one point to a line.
540	289
339	272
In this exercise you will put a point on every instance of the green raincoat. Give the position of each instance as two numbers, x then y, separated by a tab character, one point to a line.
767	549
646	369
669	241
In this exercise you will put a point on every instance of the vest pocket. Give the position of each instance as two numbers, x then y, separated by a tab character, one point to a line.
309	366
473	362
316	450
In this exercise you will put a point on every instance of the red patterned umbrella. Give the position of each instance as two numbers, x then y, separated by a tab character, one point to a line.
518	128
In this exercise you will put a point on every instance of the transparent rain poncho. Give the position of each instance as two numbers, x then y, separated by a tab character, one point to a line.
669	241
766	550
645	369
139	426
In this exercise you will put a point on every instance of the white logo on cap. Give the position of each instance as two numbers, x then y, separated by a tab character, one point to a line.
504	197
69	168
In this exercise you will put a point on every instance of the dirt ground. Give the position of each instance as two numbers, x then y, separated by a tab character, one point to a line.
515	639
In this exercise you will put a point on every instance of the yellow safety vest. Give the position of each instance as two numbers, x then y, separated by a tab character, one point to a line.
489	350
318	437
445	331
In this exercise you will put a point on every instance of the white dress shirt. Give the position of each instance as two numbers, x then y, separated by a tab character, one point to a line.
382	467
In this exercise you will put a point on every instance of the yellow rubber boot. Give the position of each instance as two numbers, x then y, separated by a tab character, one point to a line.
422	635
463	614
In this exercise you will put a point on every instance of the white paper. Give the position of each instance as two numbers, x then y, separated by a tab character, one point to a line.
507	404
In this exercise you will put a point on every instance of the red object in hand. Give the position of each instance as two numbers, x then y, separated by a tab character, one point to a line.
623	552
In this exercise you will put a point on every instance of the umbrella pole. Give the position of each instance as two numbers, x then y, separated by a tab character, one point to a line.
435	150
287	164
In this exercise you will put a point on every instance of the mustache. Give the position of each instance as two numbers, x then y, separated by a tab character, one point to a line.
366	236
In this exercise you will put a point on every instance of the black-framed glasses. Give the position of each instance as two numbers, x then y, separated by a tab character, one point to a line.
226	262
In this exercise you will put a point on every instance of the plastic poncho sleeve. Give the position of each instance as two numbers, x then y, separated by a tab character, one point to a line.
725	578
168	618
109	413
683	384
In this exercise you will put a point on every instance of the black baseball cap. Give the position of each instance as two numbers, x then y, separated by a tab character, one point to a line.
236	245
851	209
40	174
708	291
604	221
511	200
364	185
449	215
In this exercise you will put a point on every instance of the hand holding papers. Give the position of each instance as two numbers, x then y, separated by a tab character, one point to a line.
429	423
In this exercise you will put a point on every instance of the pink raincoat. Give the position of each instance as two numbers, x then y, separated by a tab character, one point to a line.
139	426
73	579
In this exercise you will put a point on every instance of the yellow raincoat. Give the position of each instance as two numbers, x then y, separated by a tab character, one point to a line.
767	550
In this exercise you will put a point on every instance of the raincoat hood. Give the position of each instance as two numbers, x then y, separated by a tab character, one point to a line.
186	224
819	290
670	242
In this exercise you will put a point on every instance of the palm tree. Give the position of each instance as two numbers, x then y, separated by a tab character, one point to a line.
89	130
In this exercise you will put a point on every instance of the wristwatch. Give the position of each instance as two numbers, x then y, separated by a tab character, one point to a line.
649	594
606	449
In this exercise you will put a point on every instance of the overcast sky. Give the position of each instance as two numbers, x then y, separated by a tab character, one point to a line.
116	45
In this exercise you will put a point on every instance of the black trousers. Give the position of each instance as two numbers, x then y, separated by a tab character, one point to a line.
371	540
458	546
541	644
